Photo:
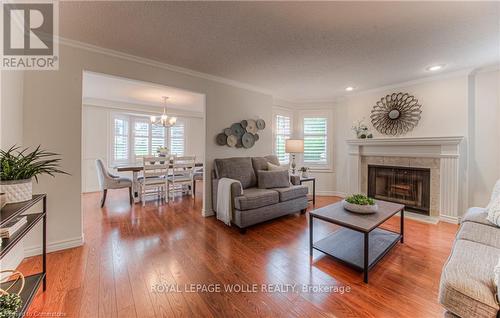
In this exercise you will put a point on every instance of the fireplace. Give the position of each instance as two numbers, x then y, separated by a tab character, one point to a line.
408	186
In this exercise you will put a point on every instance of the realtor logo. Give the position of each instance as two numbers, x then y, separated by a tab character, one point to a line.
28	35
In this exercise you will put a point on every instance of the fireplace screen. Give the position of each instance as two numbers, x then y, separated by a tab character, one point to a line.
408	186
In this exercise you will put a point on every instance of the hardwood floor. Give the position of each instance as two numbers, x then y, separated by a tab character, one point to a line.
128	251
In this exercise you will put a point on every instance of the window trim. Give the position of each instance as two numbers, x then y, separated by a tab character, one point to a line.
324	113
285	113
131	119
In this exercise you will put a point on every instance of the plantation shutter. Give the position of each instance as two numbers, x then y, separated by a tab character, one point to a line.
283	132
141	138
177	139
121	136
157	138
315	140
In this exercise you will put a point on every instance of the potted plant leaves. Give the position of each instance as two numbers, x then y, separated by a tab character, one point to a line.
360	203
19	166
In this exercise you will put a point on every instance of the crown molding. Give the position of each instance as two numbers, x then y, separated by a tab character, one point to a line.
137	109
165	66
278	100
427	79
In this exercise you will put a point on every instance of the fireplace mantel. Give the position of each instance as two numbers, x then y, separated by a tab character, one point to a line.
447	149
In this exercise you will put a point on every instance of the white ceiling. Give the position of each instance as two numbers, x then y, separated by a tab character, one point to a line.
297	50
103	87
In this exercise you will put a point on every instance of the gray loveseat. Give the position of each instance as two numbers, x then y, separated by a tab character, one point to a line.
467	287
255	205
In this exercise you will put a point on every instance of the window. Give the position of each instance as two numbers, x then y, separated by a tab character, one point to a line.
120	148
283	130
135	136
315	130
141	138
177	139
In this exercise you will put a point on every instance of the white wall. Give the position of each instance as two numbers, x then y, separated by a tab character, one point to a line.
96	138
452	105
484	159
53	118
444	113
11	108
11	133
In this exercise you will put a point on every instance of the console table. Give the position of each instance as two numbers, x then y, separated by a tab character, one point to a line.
7	213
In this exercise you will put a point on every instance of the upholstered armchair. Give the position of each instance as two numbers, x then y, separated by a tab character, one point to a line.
110	181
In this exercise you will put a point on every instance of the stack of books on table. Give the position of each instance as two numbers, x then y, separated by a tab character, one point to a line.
11	227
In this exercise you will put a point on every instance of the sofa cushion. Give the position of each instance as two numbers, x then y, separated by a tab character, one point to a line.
254	198
292	192
477	215
467	288
480	233
273	179
240	169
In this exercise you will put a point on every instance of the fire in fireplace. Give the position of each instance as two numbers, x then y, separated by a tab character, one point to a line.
408	186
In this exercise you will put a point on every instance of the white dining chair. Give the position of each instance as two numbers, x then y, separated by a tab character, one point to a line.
109	181
154	178
181	175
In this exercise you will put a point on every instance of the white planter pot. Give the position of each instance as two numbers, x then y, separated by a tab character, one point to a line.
362	209
17	190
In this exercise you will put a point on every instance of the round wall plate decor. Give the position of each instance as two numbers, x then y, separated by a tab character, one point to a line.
227	131
232	141
396	114
237	130
261	124
248	140
221	139
244	123
251	126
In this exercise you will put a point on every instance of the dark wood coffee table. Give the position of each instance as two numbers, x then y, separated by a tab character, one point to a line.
360	243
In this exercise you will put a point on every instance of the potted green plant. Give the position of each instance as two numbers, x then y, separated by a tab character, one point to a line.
19	166
304	171
360	203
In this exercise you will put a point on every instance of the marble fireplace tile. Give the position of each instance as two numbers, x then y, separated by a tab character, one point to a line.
397	161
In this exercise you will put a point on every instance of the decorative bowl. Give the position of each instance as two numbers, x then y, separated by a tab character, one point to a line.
357	208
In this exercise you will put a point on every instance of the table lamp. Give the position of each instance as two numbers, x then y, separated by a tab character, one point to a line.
294	146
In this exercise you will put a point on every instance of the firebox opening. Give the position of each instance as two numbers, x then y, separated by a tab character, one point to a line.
408	186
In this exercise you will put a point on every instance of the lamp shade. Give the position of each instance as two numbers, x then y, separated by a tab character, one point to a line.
294	145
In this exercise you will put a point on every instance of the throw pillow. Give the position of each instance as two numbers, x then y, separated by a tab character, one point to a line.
273	179
493	210
496	191
273	167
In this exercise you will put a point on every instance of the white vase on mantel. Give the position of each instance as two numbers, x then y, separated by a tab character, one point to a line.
17	190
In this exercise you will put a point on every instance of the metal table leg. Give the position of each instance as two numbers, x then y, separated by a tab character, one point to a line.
314	191
311	219
402	228
365	267
44	244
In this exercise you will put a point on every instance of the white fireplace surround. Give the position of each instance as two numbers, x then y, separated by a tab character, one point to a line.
447	149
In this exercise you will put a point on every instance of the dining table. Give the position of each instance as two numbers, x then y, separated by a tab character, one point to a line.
135	168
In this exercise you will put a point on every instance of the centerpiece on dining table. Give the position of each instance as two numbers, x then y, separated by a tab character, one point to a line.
162	152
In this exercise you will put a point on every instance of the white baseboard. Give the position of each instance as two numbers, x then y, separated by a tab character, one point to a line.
449	219
331	193
54	246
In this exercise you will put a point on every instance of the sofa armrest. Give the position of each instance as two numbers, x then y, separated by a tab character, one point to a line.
236	191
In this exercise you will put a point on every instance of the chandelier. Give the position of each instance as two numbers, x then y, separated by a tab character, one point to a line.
164	120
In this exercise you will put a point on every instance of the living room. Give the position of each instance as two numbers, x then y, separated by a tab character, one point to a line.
347	97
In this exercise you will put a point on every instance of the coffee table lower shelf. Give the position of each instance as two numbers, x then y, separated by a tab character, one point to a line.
348	247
